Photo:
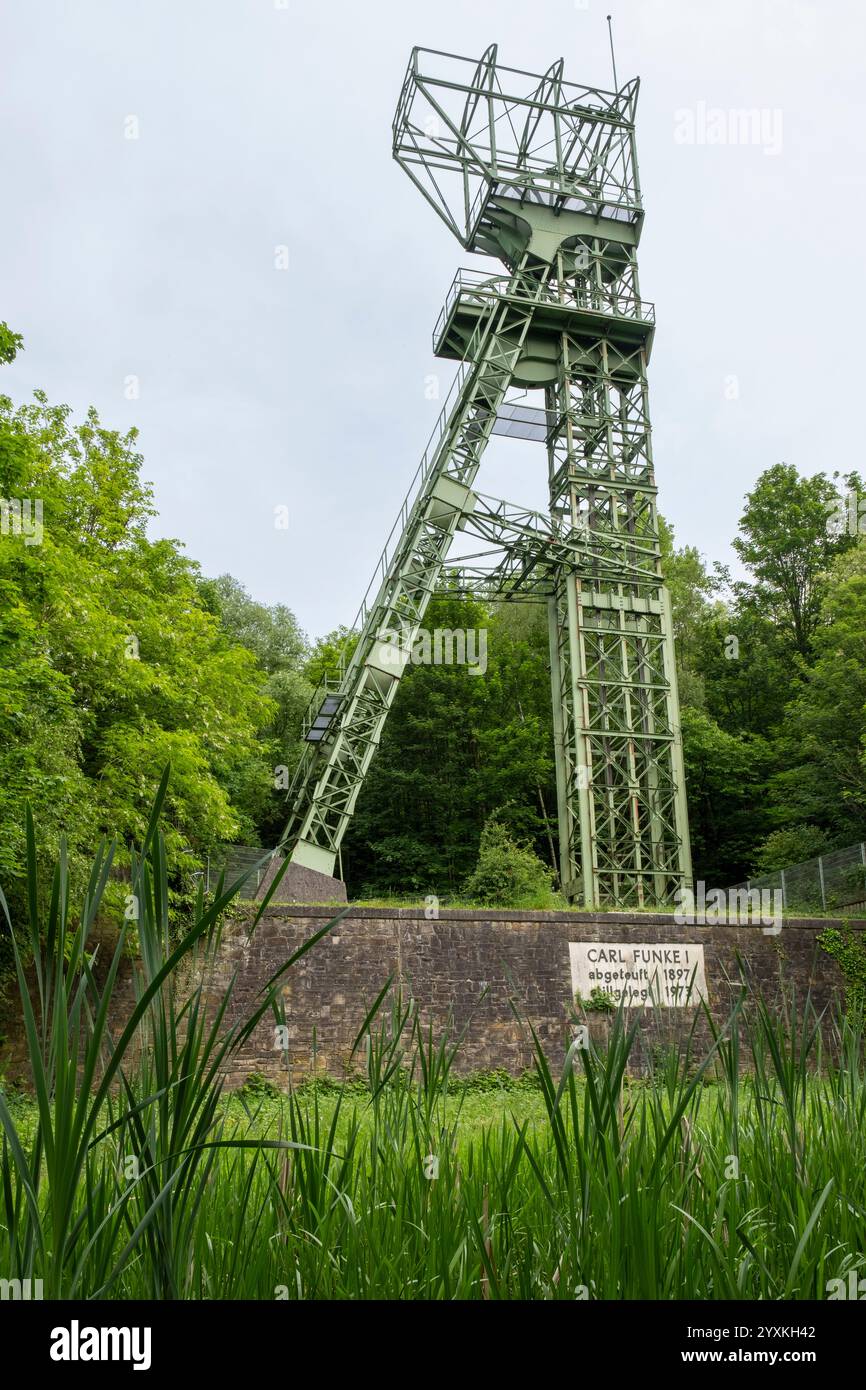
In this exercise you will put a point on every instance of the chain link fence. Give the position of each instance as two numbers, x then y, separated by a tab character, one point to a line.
826	883
233	861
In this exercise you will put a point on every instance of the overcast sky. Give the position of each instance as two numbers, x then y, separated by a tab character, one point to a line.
151	263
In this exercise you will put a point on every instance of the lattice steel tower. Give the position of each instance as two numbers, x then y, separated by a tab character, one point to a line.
541	174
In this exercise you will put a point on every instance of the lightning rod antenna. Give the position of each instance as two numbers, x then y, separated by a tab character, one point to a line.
612	58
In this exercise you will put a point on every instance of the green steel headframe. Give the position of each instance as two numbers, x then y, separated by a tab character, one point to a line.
541	174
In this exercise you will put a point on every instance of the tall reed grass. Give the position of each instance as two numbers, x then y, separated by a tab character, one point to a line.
129	1175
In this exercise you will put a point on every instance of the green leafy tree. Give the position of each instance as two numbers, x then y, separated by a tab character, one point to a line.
748	668
693	590
10	343
258	783
787	542
111	664
456	746
271	633
822	749
327	653
793	845
724	778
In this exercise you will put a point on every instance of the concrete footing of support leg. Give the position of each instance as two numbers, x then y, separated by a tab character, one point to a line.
301	885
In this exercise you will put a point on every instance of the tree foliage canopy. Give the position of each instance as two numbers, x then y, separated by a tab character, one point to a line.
111	664
118	656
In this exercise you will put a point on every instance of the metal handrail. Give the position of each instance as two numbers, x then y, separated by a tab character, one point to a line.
600	191
477	285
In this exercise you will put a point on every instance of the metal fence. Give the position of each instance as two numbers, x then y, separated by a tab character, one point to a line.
234	860
826	883
830	881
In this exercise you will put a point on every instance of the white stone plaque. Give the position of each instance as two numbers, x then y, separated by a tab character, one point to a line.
668	975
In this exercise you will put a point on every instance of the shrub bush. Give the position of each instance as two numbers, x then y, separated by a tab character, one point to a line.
508	874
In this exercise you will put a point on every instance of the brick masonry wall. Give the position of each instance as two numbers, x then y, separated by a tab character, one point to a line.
466	970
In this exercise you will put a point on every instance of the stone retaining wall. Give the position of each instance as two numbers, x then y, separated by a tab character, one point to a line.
470	970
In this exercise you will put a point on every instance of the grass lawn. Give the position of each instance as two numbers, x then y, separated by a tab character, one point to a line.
677	1189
